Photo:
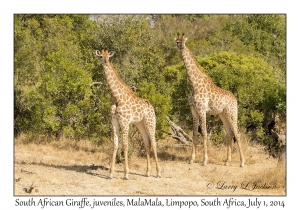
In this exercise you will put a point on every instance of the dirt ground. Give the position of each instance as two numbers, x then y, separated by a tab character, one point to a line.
57	169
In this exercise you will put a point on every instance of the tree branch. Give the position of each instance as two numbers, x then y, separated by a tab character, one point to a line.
179	133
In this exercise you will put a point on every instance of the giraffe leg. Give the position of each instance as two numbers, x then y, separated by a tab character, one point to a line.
200	113
195	138
140	126
229	148
236	134
195	133
228	138
115	135
204	136
125	131
153	142
232	123
147	145
150	124
238	140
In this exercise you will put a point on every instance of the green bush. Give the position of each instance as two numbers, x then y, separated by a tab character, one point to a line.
55	68
52	76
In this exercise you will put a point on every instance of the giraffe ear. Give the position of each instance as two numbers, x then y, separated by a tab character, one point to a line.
111	53
97	52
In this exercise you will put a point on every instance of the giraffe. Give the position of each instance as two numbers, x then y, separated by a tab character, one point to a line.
127	109
207	98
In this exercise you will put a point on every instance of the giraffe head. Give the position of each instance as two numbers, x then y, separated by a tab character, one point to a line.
104	56
180	41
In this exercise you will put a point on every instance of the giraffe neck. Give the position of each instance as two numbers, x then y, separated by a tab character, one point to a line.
117	87
193	70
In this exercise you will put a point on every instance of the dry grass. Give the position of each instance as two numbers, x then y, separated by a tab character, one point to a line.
67	167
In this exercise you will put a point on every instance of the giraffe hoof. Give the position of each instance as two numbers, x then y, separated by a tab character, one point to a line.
204	163
125	178
242	165
226	164
147	175
191	162
158	176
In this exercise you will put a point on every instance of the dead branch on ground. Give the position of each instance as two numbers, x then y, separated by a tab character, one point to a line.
179	133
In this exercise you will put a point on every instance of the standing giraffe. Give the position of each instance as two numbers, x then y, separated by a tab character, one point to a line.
127	109
207	98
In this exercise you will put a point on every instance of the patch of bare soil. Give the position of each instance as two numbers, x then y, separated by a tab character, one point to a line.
82	169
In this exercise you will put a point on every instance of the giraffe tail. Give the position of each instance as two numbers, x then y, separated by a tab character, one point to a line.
234	139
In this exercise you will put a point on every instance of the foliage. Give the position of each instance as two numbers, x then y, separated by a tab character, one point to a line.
55	69
265	34
52	76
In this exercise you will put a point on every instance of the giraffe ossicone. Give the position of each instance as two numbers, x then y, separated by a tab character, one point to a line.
207	98
128	108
